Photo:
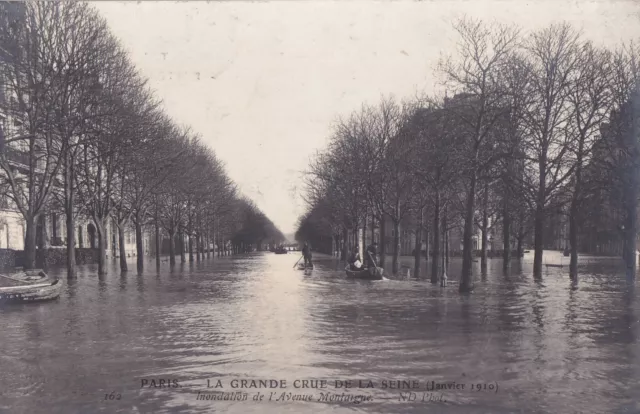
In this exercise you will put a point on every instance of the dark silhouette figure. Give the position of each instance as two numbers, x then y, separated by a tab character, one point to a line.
306	253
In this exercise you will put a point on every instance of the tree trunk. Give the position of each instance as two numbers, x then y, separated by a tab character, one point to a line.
206	244
190	243
333	245
158	245
69	205
485	228
30	242
345	246
123	250
520	238
573	240
506	235
139	246
172	247
396	246
538	241
364	233
383	241
183	257
102	246
520	246
467	237
436	241
445	230
445	250
573	215
373	228
418	249
630	232
41	234
71	245
427	246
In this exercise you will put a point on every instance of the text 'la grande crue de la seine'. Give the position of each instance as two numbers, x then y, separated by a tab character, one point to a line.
324	390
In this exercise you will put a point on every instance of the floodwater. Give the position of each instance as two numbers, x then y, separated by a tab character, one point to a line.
524	345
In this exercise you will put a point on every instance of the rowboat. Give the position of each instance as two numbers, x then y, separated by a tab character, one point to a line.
301	266
375	273
29	286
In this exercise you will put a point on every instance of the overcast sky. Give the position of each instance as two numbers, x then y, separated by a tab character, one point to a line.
262	82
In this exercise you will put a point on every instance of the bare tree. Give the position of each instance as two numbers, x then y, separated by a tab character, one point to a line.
474	75
436	168
553	58
31	159
103	152
589	101
620	164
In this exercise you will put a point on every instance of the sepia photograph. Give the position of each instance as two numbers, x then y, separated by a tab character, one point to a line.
320	206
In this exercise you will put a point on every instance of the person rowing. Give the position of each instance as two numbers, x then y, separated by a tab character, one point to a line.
372	252
306	253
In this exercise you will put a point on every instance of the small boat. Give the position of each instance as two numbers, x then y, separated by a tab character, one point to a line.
281	251
29	286
301	266
375	273
553	265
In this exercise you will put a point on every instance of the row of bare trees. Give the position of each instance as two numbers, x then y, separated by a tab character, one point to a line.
531	125
86	136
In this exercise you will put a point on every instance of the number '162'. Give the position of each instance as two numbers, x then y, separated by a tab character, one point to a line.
112	396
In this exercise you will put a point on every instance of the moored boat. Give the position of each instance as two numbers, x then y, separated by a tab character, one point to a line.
29	286
301	266
375	273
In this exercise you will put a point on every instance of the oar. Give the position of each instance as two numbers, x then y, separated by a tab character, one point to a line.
375	266
298	261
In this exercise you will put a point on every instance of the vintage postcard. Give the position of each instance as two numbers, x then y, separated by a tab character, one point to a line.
320	206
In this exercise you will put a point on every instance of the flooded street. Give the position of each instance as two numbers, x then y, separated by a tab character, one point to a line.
547	348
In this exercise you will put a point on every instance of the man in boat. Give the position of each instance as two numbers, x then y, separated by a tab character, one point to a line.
306	252
371	254
355	263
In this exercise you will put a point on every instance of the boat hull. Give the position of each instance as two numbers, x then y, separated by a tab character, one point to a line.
30	286
366	274
303	267
35	292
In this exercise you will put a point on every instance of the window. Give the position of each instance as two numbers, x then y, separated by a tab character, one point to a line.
54	226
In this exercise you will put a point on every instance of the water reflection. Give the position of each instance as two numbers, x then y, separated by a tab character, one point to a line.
551	346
